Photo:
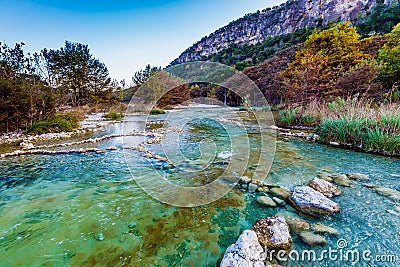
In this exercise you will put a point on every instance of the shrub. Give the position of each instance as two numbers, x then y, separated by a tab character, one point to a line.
157	111
113	115
54	124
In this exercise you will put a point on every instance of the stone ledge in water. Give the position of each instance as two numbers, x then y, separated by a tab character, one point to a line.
266	201
342	179
389	193
324	187
324	229
273	232
279	192
297	225
358	176
312	202
312	239
247	251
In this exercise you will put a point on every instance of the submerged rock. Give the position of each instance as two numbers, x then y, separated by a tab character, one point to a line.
296	224
247	251
342	179
266	201
245	180
389	193
324	187
279	192
324	229
325	176
273	232
99	237
253	188
358	176
312	239
312	202
279	201
397	208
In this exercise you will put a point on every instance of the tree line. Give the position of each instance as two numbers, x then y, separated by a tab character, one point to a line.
33	86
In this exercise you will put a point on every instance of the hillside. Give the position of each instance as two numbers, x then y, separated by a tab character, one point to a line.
282	20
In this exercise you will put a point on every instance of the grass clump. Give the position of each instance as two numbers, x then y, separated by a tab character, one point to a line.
54	124
365	125
113	115
296	117
157	111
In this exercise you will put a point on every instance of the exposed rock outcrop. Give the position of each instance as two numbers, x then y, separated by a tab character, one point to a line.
294	14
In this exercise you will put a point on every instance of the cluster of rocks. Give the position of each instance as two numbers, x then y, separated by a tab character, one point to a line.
149	124
252	245
268	236
313	199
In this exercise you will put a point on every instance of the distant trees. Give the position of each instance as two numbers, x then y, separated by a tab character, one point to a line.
33	85
381	20
389	60
326	57
24	96
143	75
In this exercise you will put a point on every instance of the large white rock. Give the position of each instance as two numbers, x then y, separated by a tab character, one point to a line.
312	202
246	252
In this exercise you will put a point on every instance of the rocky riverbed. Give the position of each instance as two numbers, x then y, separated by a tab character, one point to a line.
260	245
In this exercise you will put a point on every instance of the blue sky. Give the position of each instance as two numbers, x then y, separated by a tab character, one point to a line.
125	34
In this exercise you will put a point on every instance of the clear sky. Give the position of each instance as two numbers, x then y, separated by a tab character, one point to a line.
124	34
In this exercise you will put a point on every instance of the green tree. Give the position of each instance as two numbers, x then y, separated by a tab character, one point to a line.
326	56
389	60
78	71
142	76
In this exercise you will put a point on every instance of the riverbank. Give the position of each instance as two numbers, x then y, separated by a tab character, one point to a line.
360	125
11	142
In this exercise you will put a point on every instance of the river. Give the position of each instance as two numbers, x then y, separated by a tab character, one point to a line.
88	209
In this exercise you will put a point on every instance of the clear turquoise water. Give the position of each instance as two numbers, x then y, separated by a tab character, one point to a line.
86	210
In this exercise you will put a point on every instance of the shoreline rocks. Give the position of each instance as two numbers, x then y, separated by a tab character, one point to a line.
297	225
389	193
342	179
312	202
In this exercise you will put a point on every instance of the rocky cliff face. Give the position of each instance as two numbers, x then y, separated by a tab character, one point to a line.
286	18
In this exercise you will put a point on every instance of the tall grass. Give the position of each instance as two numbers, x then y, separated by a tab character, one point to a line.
297	117
363	124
